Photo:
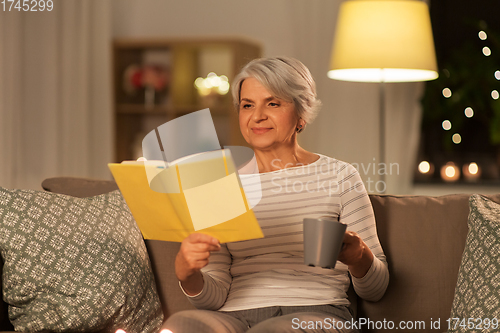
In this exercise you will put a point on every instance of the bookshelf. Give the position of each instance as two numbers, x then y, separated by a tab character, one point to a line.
173	66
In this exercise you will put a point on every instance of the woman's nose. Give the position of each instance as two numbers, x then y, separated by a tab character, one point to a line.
259	114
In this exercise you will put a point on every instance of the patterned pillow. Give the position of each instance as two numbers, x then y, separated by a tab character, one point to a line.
74	264
476	305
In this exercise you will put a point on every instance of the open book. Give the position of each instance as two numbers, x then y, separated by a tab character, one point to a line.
197	193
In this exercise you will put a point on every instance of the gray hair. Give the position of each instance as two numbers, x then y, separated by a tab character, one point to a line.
285	78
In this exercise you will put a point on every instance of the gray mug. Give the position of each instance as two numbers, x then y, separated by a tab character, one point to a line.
322	241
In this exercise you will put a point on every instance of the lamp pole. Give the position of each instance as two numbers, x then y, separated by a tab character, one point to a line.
382	133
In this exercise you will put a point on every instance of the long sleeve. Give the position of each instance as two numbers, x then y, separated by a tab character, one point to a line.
270	271
357	213
216	281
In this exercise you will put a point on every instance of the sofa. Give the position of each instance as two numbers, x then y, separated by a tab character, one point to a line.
423	238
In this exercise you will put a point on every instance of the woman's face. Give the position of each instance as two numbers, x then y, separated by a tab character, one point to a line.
266	122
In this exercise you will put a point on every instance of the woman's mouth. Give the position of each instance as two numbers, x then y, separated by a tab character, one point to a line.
261	130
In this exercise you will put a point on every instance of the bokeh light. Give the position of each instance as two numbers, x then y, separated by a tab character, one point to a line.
473	168
446	125
424	167
450	172
447	92
469	112
212	83
471	171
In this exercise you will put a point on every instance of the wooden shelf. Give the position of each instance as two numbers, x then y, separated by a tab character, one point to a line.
130	108
185	60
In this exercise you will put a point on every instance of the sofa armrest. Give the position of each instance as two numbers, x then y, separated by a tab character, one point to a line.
162	255
78	187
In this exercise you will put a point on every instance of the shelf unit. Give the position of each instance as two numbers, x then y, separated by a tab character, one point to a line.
183	60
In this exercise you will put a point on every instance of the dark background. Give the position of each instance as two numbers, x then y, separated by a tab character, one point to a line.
463	68
452	22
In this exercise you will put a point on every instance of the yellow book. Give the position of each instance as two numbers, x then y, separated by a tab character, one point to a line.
198	193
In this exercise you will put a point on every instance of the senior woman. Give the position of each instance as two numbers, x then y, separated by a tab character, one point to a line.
263	285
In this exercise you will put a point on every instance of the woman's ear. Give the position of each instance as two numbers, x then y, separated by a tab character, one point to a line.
300	125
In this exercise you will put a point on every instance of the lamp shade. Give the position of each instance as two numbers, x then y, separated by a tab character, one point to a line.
383	41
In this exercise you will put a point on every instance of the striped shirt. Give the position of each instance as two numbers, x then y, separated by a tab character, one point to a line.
270	271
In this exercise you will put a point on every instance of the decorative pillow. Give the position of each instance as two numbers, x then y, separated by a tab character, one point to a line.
476	305
74	264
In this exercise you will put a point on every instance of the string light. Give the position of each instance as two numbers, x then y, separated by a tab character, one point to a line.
482	35
486	51
495	94
446	125
456	138
447	92
469	113
497	75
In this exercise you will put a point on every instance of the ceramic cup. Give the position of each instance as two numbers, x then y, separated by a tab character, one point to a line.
322	241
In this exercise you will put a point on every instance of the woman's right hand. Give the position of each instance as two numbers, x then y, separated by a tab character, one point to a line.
191	258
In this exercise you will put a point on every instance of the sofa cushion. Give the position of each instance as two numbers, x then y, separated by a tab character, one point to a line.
74	264
478	285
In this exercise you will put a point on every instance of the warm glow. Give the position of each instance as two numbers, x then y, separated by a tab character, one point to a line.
370	45
381	75
424	167
497	75
165	331
473	168
469	113
447	92
212	83
223	88
482	35
446	125
471	171
456	138
120	331
450	172
486	51
494	94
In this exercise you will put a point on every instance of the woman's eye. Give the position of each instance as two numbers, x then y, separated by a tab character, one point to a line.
245	106
274	104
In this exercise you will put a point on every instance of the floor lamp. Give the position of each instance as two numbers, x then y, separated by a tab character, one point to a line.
383	41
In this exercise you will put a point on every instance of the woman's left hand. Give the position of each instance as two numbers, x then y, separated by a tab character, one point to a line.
355	254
